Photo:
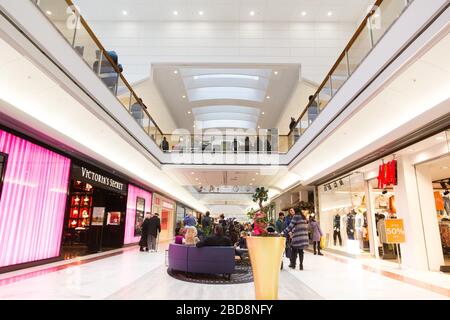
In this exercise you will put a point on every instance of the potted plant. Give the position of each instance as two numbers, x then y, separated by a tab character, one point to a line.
265	250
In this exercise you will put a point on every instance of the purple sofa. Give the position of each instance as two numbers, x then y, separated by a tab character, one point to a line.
210	260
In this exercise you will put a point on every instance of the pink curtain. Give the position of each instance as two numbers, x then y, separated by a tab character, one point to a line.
32	203
133	194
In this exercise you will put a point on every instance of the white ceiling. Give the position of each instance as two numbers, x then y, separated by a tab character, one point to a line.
224	10
232	95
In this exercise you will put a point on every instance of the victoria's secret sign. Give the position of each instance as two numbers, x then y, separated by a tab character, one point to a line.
98	179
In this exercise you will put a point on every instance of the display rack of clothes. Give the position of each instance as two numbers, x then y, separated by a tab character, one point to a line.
444	230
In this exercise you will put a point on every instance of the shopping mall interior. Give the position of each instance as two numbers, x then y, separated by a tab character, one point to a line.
194	149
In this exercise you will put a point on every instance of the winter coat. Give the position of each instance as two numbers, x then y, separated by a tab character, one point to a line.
154	226
144	233
315	230
299	228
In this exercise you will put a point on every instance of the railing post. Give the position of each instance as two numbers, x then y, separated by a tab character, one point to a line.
348	63
100	58
129	103
369	25
331	87
76	28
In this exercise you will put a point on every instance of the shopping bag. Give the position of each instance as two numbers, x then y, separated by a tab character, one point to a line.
322	242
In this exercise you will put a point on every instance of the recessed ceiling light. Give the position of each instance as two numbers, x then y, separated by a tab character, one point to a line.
262	112
175	13
440	138
252	13
253	179
192	172
201	13
412	150
184	97
257	173
275	72
251	184
445	167
268	97
49	12
196	179
124	12
193	126
329	13
175	71
195	77
259	127
303	13
189	112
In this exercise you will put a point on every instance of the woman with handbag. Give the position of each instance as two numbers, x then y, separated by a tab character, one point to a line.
316	234
298	230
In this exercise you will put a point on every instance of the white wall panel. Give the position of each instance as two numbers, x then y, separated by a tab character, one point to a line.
141	43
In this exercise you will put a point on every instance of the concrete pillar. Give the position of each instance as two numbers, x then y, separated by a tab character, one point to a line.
414	253
429	217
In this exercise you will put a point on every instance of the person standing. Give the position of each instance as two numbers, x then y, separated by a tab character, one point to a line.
154	227
190	221
206	224
143	243
288	218
222	220
298	229
164	145
280	225
316	234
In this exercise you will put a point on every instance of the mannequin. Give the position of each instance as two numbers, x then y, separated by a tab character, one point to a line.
359	224
351	225
337	229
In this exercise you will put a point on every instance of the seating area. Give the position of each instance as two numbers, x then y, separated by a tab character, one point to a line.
206	260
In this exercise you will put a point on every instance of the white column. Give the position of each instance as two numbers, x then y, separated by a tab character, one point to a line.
429	217
371	225
414	253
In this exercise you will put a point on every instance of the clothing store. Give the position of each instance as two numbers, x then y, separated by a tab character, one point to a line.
165	207
412	184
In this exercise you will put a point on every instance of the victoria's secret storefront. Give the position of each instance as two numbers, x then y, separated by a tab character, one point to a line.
95	215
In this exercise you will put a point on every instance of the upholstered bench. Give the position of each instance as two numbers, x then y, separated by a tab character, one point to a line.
209	260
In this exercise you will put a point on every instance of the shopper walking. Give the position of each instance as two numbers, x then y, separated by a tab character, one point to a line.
316	233
154	228
143	242
298	230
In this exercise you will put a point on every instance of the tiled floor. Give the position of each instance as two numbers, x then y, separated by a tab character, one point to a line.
140	275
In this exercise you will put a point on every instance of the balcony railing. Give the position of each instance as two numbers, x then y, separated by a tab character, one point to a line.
379	19
67	19
226	143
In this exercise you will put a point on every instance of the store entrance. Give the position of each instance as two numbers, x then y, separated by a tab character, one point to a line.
383	208
439	172
95	219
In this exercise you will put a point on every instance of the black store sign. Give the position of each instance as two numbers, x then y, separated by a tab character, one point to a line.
98	179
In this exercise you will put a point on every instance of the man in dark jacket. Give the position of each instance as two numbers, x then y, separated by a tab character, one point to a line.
206	224
165	145
217	240
153	228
